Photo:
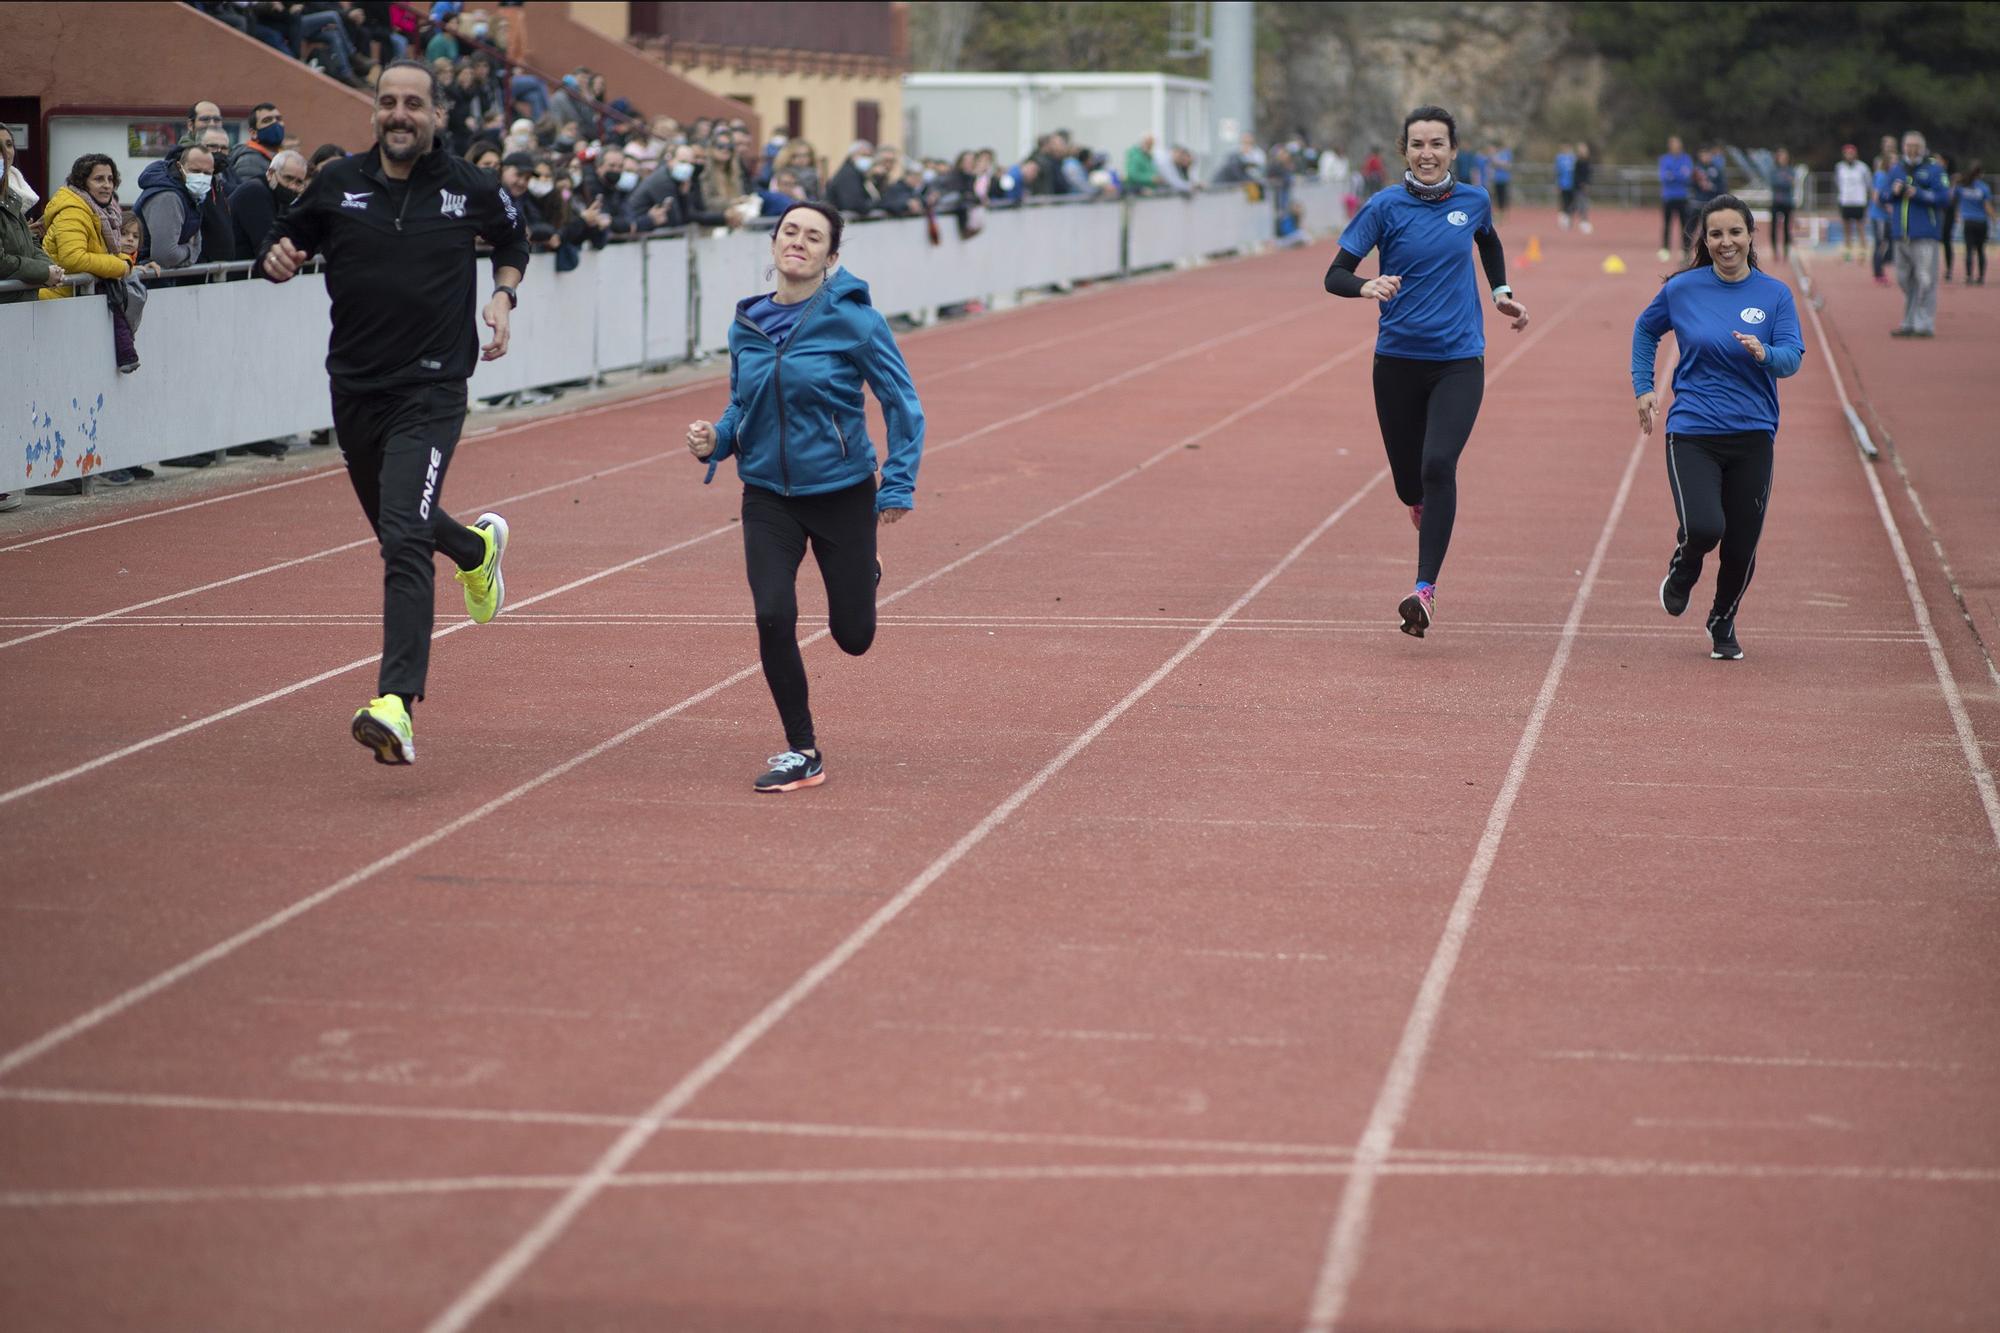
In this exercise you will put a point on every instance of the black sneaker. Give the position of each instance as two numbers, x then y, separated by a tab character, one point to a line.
791	771
1722	634
1674	596
190	460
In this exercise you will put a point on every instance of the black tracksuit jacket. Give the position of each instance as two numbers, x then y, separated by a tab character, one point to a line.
399	264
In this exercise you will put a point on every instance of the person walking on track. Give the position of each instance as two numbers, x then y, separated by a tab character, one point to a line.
1975	211
798	427
1918	197
396	227
1430	363
1676	179
1738	334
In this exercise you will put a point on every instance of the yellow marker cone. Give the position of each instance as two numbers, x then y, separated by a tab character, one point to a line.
1534	255
1613	264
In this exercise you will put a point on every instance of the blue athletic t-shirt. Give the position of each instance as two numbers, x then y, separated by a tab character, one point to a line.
1676	173
776	320
1437	315
1719	388
1972	201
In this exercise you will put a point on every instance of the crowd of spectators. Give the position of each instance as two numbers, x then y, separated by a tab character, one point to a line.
584	167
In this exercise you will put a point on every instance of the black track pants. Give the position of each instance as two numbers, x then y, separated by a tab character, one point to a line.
1674	224
397	444
840	526
1975	251
1721	485
1427	409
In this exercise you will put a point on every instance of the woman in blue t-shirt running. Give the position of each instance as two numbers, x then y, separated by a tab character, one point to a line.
1738	333
798	425
1430	363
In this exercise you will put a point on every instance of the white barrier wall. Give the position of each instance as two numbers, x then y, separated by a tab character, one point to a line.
225	363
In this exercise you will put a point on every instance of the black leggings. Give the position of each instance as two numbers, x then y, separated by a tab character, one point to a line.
1426	409
1721	484
1781	229
1944	241
1673	224
1975	251
840	526
397	444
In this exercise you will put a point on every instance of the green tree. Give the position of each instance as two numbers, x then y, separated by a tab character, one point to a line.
1095	35
1812	76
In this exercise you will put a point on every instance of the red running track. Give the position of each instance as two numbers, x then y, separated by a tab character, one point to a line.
1175	945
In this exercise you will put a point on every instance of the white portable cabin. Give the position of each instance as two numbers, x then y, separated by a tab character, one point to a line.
944	114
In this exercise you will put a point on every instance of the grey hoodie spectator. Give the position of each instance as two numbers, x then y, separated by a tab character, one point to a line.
249	160
171	192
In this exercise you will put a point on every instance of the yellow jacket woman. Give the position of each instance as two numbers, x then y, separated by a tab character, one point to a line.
82	228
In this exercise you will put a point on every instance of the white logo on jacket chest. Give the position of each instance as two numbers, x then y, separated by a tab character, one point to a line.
1751	315
359	201
1457	217
451	205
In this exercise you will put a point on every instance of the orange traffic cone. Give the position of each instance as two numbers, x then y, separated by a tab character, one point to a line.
1534	255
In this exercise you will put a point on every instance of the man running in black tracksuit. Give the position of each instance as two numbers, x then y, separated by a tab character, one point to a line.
396	227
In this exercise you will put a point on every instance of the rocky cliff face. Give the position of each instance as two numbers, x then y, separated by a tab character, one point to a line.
1346	73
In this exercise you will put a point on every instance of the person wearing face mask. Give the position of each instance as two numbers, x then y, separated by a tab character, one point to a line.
517	178
1430	364
799	358
852	189
258	204
218	226
249	160
1738	333
673	196
171	193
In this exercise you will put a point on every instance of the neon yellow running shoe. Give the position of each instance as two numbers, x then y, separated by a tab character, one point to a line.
384	727
485	589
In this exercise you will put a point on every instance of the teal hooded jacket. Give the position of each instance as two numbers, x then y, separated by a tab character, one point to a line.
797	421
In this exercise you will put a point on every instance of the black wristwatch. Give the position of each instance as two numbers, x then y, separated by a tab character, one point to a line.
513	297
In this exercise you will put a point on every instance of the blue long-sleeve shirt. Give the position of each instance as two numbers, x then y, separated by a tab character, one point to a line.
1676	171
1919	213
1719	387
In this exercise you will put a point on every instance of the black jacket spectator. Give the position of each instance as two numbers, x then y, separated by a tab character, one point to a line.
852	191
257	204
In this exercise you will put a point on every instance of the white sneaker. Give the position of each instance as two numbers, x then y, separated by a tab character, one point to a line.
9	500
1586	228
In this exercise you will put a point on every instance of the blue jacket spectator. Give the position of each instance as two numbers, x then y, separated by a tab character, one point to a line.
169	208
1676	175
1920	212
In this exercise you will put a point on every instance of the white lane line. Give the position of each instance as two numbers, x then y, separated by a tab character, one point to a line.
1804	267
102	616
752	1178
1081	1034
505	1269
1350	1229
137	747
1757	1061
282	691
1961	721
118	1004
751	1128
1804	1122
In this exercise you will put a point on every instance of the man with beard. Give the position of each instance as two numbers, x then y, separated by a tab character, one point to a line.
396	227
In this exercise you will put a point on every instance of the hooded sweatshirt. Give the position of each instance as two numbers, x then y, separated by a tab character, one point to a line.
171	215
797	419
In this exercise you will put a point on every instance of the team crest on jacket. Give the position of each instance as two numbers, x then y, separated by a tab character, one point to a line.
452	205
1457	217
1751	315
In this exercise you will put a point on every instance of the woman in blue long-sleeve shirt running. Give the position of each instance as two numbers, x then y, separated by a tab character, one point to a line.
1738	333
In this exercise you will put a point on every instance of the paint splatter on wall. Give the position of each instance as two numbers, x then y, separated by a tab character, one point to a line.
48	445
